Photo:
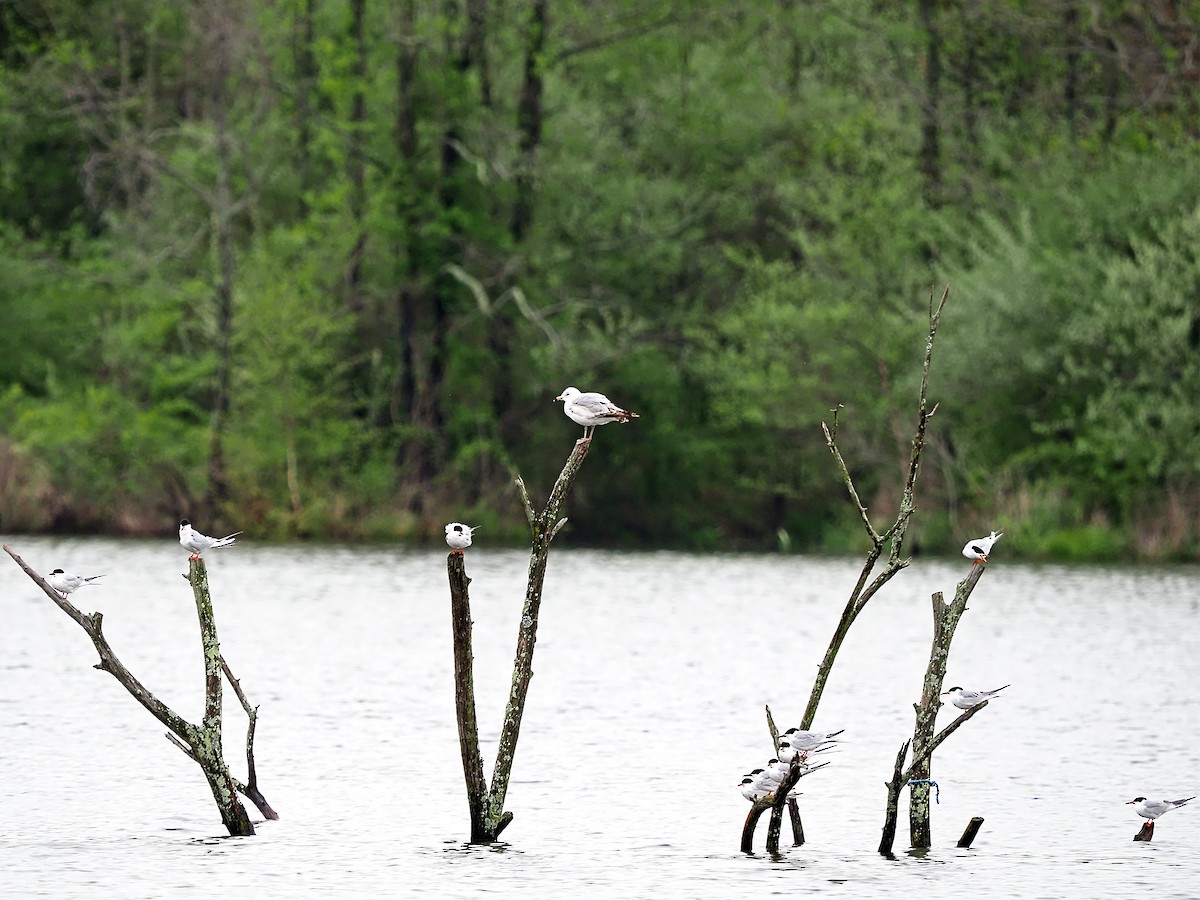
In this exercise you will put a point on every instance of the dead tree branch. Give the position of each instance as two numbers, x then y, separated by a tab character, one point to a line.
201	743
892	538
945	620
486	804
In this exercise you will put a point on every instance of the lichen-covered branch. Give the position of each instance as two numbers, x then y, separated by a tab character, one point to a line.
92	624
546	526
202	743
486	803
901	778
208	744
924	742
945	620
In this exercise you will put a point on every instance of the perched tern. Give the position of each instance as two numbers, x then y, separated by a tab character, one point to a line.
458	536
787	752
1152	809
196	542
807	741
68	584
591	409
773	772
977	550
753	788
964	699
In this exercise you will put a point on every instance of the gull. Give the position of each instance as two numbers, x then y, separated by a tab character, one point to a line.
807	741
591	409
1152	809
458	536
193	540
964	699
68	584
977	550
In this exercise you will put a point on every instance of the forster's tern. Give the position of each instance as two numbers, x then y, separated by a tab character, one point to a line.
978	549
197	543
787	752
1152	809
68	584
755	788
750	789
807	741
458	536
591	409
964	699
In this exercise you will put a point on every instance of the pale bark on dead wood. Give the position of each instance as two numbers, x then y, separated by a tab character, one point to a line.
202	743
486	804
892	539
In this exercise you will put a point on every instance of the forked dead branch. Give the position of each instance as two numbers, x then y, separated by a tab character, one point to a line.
202	743
486	804
891	539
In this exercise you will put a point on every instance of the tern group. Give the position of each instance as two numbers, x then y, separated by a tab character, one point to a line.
795	746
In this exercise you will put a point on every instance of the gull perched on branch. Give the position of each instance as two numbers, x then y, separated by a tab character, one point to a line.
68	584
977	550
965	699
458	536
197	543
591	409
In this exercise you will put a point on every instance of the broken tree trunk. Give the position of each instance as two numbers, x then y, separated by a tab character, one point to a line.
486	804
945	621
200	742
969	833
924	742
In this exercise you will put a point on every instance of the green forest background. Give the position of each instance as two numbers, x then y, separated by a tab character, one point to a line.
318	268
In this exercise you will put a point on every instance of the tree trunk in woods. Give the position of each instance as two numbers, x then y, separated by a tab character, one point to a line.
202	743
403	388
1110	66
1071	89
355	157
529	120
486	804
930	154
223	214
306	83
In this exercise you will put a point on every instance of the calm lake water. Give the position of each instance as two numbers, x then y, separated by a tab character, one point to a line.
645	709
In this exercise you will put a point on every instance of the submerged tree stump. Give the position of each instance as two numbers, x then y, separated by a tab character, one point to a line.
972	829
1145	833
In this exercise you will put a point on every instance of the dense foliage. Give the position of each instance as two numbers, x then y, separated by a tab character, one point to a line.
318	267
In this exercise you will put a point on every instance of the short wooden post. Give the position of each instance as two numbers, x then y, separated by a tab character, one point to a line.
1146	832
972	829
